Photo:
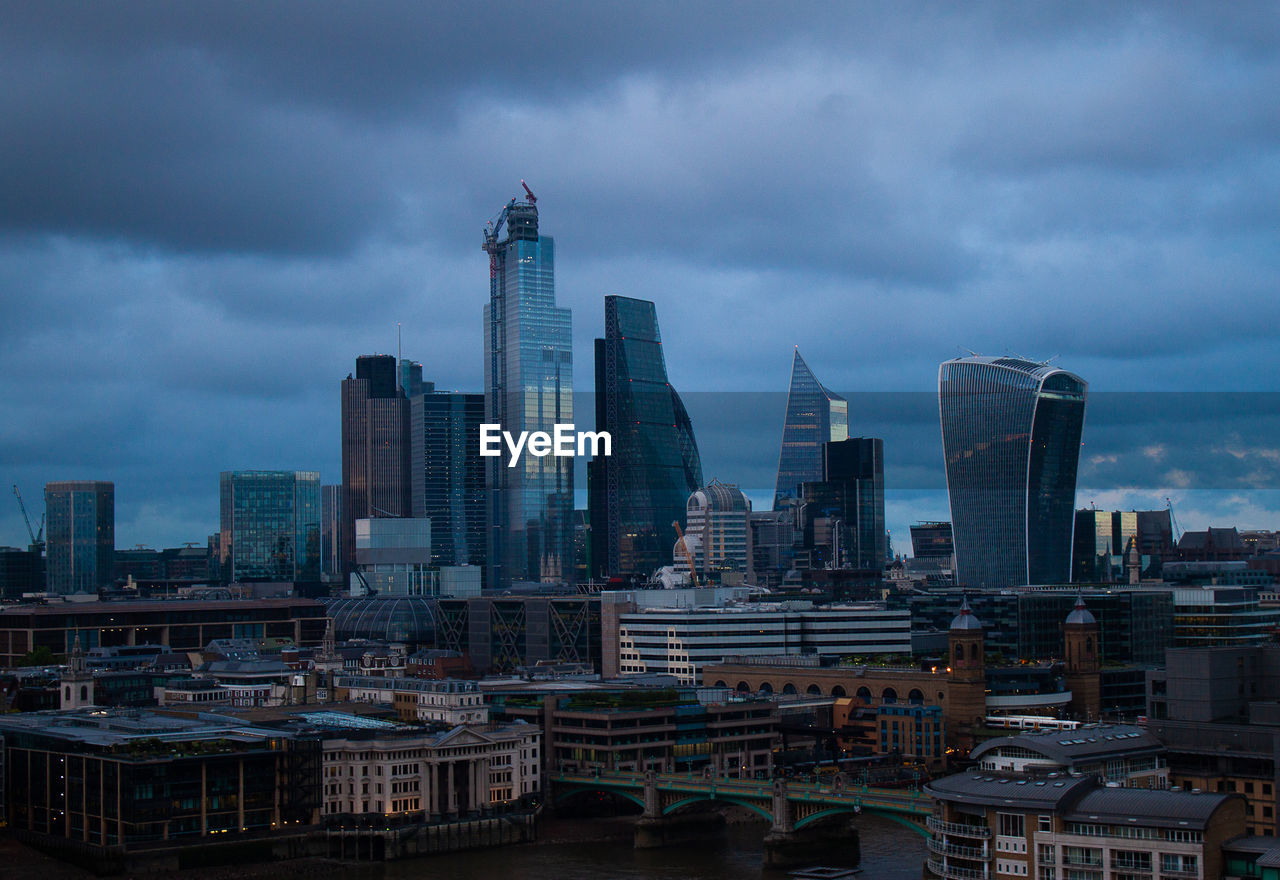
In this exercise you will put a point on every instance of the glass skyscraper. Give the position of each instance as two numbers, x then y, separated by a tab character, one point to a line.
636	493
448	473
81	535
815	416
375	447
528	380
1011	440
270	526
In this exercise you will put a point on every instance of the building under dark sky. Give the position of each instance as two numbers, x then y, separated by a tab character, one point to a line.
528	382
1011	441
81	535
448	473
815	415
375	448
636	493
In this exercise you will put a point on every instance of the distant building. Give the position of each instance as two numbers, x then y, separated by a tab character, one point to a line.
717	531
450	702
640	489
1011	442
448	473
815	415
528	381
1212	545
270	526
375	448
843	513
81	535
21	571
331	531
680	641
393	556
932	540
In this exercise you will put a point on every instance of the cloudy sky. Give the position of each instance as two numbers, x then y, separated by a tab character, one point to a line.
207	210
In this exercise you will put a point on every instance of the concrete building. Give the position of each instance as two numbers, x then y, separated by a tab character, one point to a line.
996	826
451	701
1118	753
680	641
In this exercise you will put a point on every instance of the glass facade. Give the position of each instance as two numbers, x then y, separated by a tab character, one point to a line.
375	447
270	526
528	374
1011	441
81	539
448	474
640	490
815	416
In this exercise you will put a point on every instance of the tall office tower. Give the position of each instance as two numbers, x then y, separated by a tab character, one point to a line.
1101	540
270	526
1011	442
375	448
528	380
331	530
932	540
448	473
815	416
849	500
638	491
80	535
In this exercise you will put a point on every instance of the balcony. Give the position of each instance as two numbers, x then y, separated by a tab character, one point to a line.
964	852
953	873
977	832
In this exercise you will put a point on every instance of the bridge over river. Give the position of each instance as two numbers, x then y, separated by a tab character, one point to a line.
788	805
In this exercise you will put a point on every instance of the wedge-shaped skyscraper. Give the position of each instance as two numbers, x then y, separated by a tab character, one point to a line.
641	489
815	416
1011	439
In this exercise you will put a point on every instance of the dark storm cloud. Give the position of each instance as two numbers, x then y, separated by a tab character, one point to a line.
207	210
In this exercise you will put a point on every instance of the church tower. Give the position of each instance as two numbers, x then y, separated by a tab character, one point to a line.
77	681
1083	664
967	670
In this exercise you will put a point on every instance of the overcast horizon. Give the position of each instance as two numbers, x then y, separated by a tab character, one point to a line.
208	211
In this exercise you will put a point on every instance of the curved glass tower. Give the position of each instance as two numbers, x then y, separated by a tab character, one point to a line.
1011	440
641	489
815	416
528	380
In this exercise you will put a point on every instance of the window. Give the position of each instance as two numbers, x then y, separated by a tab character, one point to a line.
1046	823
1012	825
1046	854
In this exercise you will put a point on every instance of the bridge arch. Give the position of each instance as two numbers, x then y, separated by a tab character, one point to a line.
837	691
813	690
561	796
916	697
720	683
789	688
889	696
702	798
864	694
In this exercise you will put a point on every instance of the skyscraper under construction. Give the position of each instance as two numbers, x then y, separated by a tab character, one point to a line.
528	382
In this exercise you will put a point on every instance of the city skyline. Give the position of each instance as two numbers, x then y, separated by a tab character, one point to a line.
195	238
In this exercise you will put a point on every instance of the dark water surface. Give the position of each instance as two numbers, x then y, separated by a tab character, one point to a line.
889	852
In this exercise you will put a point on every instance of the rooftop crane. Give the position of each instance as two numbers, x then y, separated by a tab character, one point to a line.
688	554
37	539
1173	523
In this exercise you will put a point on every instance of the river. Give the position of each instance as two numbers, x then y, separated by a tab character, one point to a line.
889	852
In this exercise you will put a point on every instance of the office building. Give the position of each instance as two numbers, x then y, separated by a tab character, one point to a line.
331	531
501	634
528	380
815	415
270	526
1011	441
21	571
932	540
717	532
843	514
638	491
81	535
375	448
680	641
448	473
393	556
